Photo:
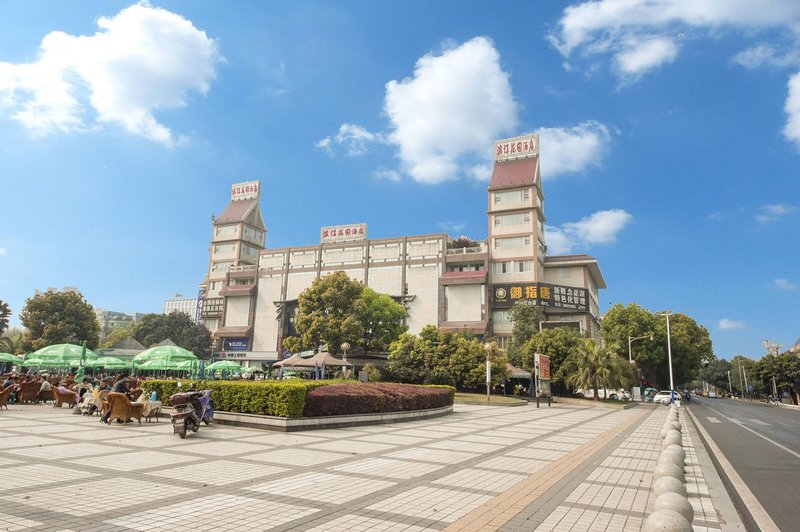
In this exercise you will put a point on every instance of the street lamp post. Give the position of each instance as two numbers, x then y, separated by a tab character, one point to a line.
633	339
488	348
669	351
730	388
345	346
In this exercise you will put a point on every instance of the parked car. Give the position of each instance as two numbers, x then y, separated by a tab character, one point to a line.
663	397
712	395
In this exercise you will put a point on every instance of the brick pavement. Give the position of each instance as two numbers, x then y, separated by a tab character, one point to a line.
67	472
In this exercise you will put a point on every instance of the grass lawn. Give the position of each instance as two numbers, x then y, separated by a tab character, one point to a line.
481	398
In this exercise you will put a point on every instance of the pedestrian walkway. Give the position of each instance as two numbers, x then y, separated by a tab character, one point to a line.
558	468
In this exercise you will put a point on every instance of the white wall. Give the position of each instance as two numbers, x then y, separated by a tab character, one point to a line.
464	302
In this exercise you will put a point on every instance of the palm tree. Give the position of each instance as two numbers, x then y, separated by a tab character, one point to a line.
592	367
5	313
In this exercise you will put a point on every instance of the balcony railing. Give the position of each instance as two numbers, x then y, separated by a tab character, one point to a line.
243	268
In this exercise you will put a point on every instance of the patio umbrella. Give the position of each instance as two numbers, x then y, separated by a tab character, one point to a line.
224	365
62	355
110	363
32	362
167	353
8	357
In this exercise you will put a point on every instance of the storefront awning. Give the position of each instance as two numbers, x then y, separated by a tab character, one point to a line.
238	290
234	332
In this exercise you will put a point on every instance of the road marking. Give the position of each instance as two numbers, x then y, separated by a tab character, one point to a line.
759	514
758	421
773	442
713	419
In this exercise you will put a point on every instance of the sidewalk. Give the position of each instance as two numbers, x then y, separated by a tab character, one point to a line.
481	468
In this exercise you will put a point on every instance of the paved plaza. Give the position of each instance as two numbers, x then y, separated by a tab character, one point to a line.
480	468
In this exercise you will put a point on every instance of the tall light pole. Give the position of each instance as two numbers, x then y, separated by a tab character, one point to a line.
633	339
730	388
669	351
741	379
488	348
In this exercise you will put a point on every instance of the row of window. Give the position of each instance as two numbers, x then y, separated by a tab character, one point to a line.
232	230
512	266
506	220
512	242
511	197
230	247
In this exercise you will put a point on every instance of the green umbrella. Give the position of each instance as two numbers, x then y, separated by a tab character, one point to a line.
168	353
109	363
8	357
32	362
63	354
224	365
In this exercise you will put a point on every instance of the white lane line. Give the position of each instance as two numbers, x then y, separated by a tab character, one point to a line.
773	442
759	422
712	419
759	514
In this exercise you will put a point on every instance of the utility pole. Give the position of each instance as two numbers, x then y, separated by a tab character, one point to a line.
741	383
745	383
669	352
730	388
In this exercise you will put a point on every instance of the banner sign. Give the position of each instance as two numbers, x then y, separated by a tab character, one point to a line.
342	233
235	344
269	356
542	366
516	148
540	294
201	296
246	190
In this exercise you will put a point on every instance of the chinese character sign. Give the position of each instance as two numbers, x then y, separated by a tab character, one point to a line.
247	190
516	148
343	233
543	367
540	294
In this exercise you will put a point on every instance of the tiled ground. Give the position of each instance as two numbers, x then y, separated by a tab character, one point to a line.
66	472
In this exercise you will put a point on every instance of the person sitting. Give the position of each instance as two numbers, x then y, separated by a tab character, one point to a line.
120	386
45	387
8	382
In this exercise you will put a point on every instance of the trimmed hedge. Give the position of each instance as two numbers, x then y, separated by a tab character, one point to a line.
370	398
266	398
301	398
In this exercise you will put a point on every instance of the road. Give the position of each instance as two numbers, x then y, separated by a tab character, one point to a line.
762	443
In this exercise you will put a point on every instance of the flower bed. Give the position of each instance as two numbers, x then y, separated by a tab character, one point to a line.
298	398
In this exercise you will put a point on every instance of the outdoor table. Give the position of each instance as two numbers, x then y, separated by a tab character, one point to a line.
150	408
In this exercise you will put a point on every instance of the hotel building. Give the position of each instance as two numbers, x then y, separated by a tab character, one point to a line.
249	296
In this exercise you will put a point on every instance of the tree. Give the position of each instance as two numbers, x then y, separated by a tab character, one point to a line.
336	309
5	314
690	342
117	335
178	327
556	343
525	321
715	373
591	367
380	318
742	371
785	368
58	318
438	355
293	344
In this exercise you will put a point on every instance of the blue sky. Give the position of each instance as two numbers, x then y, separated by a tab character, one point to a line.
670	139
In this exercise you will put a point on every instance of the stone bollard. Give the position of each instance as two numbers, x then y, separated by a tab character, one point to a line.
666	521
670	457
677	449
663	485
668	469
675	502
673	437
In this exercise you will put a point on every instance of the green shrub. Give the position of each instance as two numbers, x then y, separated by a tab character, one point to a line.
368	398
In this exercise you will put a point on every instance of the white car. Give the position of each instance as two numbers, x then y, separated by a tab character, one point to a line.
663	397
712	395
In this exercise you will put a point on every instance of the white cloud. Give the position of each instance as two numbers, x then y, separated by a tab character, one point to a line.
566	150
353	138
3	251
640	56
445	118
765	54
601	227
792	107
730	325
452	227
784	284
770	213
387	174
142	60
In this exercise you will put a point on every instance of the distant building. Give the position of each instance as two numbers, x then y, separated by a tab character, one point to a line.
178	303
250	294
110	320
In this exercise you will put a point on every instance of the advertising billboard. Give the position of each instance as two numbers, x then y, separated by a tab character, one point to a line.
246	190
235	344
540	294
342	233
516	148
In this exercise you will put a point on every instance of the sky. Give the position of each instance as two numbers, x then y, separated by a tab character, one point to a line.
669	132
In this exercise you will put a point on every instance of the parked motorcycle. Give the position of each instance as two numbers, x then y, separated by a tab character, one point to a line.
189	409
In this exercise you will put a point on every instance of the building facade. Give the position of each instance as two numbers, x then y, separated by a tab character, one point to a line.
186	305
249	296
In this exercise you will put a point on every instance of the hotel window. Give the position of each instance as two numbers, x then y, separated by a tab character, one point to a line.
512	219
512	196
541	248
501	316
215	285
512	242
221	266
224	248
249	251
225	230
524	266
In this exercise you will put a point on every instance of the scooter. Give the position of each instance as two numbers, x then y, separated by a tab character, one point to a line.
189	409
